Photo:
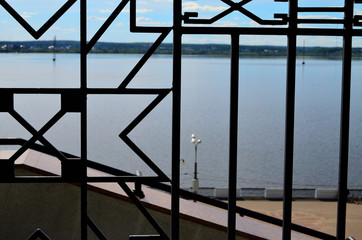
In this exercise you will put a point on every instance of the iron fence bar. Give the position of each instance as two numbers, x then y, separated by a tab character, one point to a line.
83	118
142	29
289	121
268	31
163	187
233	134
130	91
37	90
54	18
96	229
176	119
144	58
37	135
143	210
344	124
105	25
141	91
39	234
37	34
124	134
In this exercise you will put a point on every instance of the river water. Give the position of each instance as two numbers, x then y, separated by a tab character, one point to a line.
205	112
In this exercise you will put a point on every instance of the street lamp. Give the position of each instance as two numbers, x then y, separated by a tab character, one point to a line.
195	181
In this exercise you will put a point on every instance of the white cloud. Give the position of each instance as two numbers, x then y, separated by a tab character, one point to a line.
163	0
27	14
226	24
358	12
193	6
105	11
96	18
144	10
146	21
149	21
64	30
317	17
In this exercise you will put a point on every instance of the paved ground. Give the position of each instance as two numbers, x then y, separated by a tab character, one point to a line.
319	215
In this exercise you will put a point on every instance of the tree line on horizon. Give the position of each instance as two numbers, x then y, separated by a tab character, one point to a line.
64	46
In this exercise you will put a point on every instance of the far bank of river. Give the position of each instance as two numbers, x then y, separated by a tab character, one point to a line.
205	112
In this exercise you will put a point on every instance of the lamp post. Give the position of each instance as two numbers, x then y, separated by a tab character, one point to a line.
195	181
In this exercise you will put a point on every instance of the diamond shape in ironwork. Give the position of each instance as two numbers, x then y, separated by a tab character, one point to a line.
37	33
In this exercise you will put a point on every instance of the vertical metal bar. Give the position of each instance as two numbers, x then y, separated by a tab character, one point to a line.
176	120
345	116
289	121
83	117
233	135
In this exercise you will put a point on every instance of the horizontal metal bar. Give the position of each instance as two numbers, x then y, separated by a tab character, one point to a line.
38	90
234	30
133	91
139	29
269	31
140	91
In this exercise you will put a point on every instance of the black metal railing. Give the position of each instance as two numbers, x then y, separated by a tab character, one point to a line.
74	100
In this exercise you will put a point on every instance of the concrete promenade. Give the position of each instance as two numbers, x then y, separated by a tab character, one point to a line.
319	215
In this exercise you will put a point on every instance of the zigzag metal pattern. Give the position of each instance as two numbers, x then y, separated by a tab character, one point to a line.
39	234
284	19
144	211
105	25
95	229
134	123
38	135
161	93
37	33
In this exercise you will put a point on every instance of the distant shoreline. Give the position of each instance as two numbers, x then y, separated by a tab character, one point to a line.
166	48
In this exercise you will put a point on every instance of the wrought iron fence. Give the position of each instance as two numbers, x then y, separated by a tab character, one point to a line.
74	100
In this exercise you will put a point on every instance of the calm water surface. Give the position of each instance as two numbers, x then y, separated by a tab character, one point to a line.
205	112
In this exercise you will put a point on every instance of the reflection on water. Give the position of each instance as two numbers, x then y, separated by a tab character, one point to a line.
205	112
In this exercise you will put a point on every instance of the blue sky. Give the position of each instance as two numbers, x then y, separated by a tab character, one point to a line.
158	13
